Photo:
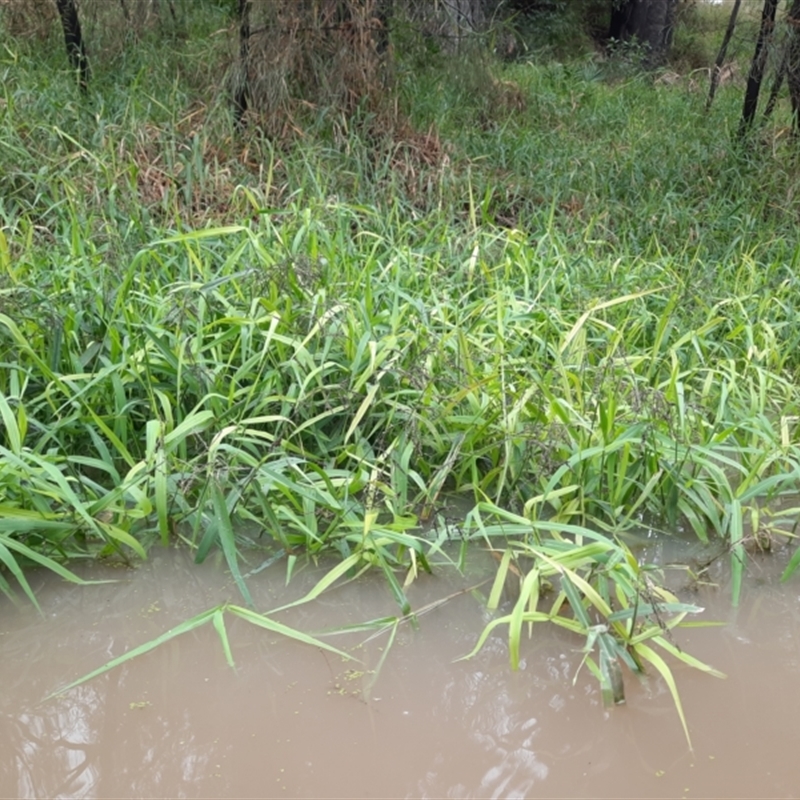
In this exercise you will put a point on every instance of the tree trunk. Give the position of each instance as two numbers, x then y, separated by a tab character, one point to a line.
76	50
451	21
723	49
470	13
242	90
793	63
651	22
756	74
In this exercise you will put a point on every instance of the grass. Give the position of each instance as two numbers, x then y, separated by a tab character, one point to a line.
559	292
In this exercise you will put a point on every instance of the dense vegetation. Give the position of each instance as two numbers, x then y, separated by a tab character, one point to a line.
554	288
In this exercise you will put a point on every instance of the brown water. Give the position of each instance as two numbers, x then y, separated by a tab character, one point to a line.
293	721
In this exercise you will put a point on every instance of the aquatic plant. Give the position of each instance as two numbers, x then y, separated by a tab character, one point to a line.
592	586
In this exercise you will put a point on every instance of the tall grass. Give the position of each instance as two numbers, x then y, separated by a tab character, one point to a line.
565	297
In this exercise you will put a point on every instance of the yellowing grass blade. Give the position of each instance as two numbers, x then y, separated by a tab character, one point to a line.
575	601
599	307
588	590
538	616
325	582
362	409
499	581
655	659
518	615
686	658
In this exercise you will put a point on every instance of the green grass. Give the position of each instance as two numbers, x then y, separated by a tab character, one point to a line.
564	295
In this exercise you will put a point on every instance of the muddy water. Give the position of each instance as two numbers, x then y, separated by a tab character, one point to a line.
293	721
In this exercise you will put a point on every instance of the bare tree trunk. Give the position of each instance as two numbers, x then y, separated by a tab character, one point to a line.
469	12
756	74
241	93
451	20
76	50
723	49
651	22
467	16
793	63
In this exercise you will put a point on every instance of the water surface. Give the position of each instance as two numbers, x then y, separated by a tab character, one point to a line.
294	721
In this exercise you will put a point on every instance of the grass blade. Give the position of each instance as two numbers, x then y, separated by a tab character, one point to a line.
178	630
219	625
227	539
324	583
262	621
655	659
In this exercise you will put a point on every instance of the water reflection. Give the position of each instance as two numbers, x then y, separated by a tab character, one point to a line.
56	750
497	724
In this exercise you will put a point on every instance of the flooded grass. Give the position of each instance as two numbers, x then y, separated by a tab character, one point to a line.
525	290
